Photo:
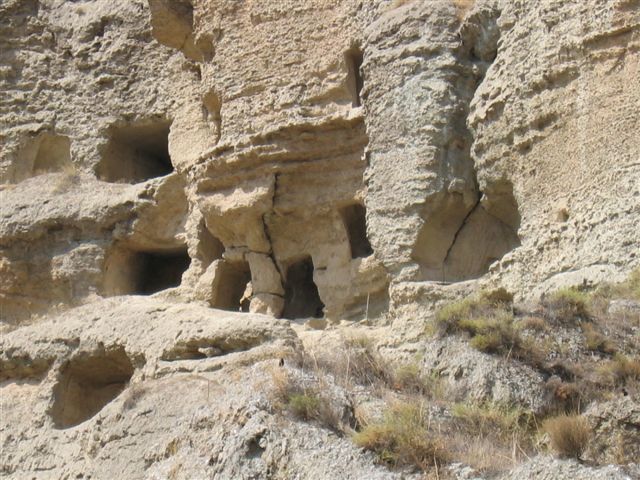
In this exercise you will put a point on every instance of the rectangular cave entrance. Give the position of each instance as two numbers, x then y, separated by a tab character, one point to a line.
232	284
135	153
130	272
301	297
354	218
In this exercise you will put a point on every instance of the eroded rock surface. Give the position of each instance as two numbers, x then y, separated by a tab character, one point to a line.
188	186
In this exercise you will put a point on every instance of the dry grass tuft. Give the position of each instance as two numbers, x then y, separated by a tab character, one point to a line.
567	397
621	371
356	362
404	437
304	402
491	438
569	434
488	419
597	342
567	306
536	324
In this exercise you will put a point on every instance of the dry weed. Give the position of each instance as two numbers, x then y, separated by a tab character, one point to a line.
569	434
404	437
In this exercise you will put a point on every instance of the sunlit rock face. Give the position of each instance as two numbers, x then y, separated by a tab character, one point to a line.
288	164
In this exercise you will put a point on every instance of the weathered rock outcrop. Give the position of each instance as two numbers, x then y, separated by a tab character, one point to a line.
297	165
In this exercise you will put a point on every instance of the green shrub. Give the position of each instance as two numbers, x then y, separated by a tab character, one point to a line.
451	318
569	434
304	405
403	437
567	305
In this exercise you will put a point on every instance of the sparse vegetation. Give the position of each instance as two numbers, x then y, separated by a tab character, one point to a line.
488	419
451	318
489	321
409	378
596	341
629	289
569	434
566	396
404	437
567	305
620	371
490	437
423	427
304	405
305	402
536	324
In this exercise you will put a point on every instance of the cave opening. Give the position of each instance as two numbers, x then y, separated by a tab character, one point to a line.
232	287
301	297
355	222
131	272
87	384
161	270
354	58
135	153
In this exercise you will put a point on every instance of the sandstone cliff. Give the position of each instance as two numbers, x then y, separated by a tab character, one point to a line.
192	190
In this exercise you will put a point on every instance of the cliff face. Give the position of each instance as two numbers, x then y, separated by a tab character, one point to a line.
320	161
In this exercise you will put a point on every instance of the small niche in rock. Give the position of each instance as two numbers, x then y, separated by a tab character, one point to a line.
301	297
457	243
135	153
45	153
355	82
87	384
230	290
130	272
354	217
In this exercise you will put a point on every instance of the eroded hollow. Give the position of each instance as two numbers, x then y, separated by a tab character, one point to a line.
87	384
355	222
459	241
136	152
45	153
232	285
354	58
301	297
130	272
213	107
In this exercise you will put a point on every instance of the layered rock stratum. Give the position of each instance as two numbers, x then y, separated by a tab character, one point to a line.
195	191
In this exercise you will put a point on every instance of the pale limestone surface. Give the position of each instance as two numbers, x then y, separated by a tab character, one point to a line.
321	161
